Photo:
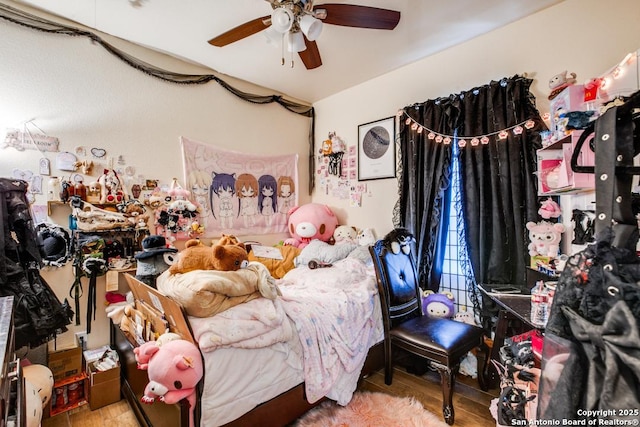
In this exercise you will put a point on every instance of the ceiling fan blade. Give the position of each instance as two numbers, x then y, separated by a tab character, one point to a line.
349	15
241	31
311	55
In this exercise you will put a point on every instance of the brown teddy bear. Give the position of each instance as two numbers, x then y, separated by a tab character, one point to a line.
197	256
230	239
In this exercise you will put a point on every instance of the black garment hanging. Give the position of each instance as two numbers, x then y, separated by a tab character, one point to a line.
592	346
38	314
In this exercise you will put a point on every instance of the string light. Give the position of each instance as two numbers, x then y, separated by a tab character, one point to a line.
616	72
475	140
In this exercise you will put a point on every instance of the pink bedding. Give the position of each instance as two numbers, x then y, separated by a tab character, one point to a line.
332	315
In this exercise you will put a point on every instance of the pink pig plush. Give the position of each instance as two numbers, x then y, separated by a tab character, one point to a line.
309	222
174	370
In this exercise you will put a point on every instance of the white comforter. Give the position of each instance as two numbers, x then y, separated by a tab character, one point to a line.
336	315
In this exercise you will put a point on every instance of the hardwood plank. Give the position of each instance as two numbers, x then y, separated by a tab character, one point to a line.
86	418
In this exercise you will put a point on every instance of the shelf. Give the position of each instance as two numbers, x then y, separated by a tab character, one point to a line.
555	176
51	204
58	409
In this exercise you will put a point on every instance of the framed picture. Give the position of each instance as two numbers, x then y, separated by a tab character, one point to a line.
376	149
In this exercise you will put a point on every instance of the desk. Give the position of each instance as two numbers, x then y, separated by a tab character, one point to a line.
511	307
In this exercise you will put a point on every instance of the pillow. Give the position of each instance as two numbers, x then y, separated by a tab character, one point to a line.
362	253
278	267
324	252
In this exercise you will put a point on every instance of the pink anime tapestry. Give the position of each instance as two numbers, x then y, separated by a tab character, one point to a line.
237	193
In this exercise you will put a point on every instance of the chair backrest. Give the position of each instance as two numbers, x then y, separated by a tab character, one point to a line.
398	285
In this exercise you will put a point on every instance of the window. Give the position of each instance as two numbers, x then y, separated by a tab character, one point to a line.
456	261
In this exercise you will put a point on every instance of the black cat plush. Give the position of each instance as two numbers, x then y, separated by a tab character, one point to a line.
399	239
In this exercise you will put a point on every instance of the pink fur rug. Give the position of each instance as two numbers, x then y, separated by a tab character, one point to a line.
368	409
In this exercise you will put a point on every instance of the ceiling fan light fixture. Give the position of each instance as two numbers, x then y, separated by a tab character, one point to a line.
295	42
274	38
311	27
282	19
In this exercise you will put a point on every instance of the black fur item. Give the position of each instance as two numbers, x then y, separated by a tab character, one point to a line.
399	239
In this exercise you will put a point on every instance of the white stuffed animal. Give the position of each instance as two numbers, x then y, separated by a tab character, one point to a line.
545	238
366	237
344	234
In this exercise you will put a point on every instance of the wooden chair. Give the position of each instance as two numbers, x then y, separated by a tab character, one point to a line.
442	342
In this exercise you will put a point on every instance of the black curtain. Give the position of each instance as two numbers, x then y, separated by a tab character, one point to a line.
498	179
497	129
424	177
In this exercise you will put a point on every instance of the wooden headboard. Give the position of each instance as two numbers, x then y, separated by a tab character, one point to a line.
171	310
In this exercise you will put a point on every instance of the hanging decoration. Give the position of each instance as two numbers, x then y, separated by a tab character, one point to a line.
333	149
27	141
242	193
41	24
463	140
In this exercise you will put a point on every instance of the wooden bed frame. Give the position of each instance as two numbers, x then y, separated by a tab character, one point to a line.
277	412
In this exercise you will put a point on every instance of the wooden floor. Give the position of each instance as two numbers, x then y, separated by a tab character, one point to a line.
117	414
471	405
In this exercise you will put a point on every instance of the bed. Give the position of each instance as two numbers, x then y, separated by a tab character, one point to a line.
267	361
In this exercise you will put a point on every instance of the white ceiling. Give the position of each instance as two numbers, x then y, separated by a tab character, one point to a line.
349	55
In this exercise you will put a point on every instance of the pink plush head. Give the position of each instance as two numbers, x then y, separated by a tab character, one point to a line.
309	222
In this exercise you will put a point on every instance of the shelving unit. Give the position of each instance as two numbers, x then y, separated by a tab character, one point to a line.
59	407
555	176
53	204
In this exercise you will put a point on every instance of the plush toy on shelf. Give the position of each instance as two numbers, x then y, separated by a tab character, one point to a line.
197	256
174	370
309	222
561	81
545	238
438	305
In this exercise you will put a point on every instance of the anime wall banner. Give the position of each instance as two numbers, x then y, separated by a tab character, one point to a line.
241	194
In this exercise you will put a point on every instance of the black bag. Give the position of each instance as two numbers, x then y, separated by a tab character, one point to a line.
591	354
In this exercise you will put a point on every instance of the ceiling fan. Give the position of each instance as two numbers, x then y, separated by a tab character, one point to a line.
298	23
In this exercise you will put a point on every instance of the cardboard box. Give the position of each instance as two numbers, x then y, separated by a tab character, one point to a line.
104	387
65	363
93	355
570	99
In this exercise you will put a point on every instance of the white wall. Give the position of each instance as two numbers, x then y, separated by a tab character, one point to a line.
587	37
80	93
